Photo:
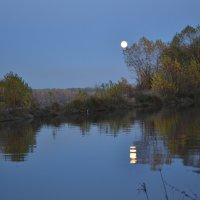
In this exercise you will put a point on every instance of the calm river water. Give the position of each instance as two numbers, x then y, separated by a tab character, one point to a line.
110	157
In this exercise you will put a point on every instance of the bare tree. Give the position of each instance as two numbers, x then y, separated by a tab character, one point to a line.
143	58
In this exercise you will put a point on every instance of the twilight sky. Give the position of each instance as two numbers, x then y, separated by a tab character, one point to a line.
76	43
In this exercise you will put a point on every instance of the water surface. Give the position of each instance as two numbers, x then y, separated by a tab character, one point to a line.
105	157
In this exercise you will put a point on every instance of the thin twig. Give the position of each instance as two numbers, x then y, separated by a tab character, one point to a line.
166	195
144	189
183	193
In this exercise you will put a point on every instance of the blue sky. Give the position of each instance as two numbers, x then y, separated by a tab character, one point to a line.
76	43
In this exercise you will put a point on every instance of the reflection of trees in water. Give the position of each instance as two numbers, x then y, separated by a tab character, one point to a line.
154	151
170	134
17	140
184	136
113	125
164	135
107	123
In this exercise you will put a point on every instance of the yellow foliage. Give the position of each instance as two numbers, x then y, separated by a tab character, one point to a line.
162	85
16	93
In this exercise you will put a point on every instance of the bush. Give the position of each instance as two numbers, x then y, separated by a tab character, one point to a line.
190	79
163	86
15	92
107	97
147	99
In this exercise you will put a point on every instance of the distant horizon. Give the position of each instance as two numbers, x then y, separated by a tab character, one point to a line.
75	44
131	81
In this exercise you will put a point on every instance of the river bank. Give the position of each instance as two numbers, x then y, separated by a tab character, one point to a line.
93	106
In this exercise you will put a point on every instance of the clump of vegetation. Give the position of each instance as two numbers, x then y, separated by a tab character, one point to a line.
181	63
46	97
165	87
147	99
171	69
107	97
112	97
14	92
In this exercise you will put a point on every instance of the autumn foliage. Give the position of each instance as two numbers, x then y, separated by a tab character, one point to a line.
14	92
167	68
106	97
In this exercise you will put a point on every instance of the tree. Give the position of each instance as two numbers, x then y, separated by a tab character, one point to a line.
1	90
143	58
185	46
17	93
180	64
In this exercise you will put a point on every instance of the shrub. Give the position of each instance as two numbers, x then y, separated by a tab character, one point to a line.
17	93
162	85
108	96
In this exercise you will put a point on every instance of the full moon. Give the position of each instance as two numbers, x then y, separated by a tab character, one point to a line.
124	44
